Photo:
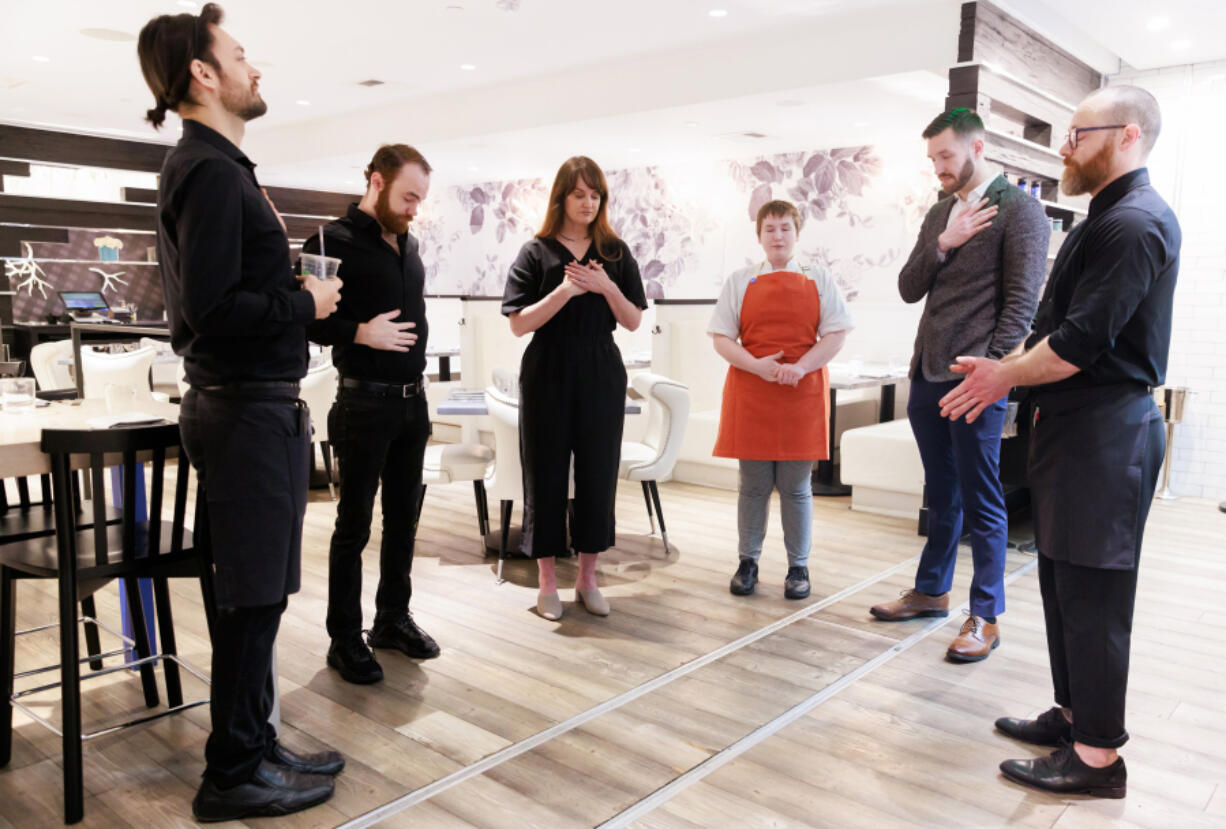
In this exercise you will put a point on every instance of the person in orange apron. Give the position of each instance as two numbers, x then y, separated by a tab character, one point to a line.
778	324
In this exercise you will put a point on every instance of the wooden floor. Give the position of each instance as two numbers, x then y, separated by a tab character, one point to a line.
687	707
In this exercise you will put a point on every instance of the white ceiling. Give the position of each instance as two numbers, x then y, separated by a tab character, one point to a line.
628	81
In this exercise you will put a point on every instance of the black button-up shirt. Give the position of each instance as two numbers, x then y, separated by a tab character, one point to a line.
1109	299
378	279
235	310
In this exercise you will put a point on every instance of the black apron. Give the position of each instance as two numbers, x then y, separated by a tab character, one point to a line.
1095	455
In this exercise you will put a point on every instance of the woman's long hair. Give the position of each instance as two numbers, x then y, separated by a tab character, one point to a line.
574	168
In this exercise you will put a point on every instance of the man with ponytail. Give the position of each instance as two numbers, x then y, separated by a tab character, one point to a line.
239	320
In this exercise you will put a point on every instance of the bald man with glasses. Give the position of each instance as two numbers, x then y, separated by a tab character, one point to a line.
1100	345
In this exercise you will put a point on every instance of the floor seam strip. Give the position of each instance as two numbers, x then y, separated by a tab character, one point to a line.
523	746
726	755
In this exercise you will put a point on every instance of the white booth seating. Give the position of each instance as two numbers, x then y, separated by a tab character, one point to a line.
882	465
444	314
682	350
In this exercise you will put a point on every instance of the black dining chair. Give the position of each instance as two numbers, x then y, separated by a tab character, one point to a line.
83	559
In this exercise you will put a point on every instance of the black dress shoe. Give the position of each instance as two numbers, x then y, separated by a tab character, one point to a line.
796	585
320	762
271	791
1048	729
1063	772
403	634
354	660
746	578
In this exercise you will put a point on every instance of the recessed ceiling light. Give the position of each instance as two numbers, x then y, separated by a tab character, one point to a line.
635	150
1157	24
718	13
691	123
371	82
303	103
187	4
473	168
42	58
860	124
790	102
467	67
454	7
1181	45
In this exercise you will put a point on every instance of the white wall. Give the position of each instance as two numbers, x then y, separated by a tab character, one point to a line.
1186	167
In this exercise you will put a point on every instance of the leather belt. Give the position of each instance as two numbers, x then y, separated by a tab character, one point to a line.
383	389
253	385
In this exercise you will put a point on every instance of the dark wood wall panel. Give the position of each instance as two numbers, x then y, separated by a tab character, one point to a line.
30	144
44	212
12	237
995	37
310	202
139	195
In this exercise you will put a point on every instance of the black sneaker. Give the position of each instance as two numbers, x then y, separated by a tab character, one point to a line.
404	635
746	578
354	660
796	585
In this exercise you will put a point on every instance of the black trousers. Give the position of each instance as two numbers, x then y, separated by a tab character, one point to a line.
572	403
1088	611
242	692
375	439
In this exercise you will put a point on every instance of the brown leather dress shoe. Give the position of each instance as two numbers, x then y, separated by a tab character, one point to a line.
975	641
912	604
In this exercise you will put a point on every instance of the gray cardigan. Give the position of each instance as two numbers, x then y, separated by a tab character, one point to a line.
981	300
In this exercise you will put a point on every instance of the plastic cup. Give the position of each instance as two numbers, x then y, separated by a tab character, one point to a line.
320	267
17	394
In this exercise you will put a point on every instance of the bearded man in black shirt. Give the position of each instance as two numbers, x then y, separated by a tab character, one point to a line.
238	318
1100	344
380	422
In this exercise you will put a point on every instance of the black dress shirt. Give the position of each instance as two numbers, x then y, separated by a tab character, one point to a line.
541	267
377	279
1108	301
235	310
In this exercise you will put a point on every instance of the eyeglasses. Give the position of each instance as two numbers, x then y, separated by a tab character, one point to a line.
1075	132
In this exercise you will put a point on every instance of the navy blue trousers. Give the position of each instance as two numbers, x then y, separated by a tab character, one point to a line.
962	474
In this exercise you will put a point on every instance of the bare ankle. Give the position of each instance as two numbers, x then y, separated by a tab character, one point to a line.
1095	757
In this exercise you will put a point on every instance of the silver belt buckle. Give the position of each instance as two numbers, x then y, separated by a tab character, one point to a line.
407	390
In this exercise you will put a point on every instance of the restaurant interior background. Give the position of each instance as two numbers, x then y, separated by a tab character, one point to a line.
696	116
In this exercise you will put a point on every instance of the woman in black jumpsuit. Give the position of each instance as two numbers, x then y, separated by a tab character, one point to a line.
571	286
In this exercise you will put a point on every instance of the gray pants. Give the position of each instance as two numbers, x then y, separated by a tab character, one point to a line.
792	479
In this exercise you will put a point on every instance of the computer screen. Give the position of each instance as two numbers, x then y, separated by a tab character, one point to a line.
83	300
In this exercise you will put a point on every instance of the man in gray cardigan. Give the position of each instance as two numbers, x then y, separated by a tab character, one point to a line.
978	264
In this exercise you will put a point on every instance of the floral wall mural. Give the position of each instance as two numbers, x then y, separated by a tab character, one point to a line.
690	225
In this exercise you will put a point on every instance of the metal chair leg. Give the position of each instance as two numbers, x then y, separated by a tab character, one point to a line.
647	499
655	497
504	533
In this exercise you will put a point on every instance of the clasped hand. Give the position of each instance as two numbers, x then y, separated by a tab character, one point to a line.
589	277
772	371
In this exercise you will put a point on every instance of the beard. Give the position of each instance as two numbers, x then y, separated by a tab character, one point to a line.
242	100
964	175
393	222
1088	176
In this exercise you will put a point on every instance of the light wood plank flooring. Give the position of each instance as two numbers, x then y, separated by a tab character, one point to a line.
909	743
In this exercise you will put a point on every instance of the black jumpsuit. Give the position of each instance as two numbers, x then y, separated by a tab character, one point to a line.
572	391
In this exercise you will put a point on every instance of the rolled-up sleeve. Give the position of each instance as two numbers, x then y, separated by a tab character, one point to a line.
726	316
834	314
1122	261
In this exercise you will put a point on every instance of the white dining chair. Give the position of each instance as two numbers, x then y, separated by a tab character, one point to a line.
446	463
318	391
652	459
130	369
506	484
49	371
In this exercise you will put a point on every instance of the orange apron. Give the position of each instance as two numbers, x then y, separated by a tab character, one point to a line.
770	421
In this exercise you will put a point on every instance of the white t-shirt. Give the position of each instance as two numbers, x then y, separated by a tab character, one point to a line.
726	318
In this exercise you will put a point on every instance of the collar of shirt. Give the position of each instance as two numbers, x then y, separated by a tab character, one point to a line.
791	267
369	225
1113	192
197	131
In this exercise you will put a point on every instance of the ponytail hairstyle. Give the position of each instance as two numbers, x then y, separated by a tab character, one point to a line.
166	47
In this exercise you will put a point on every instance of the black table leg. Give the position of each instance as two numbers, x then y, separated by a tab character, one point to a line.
826	477
886	413
444	368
